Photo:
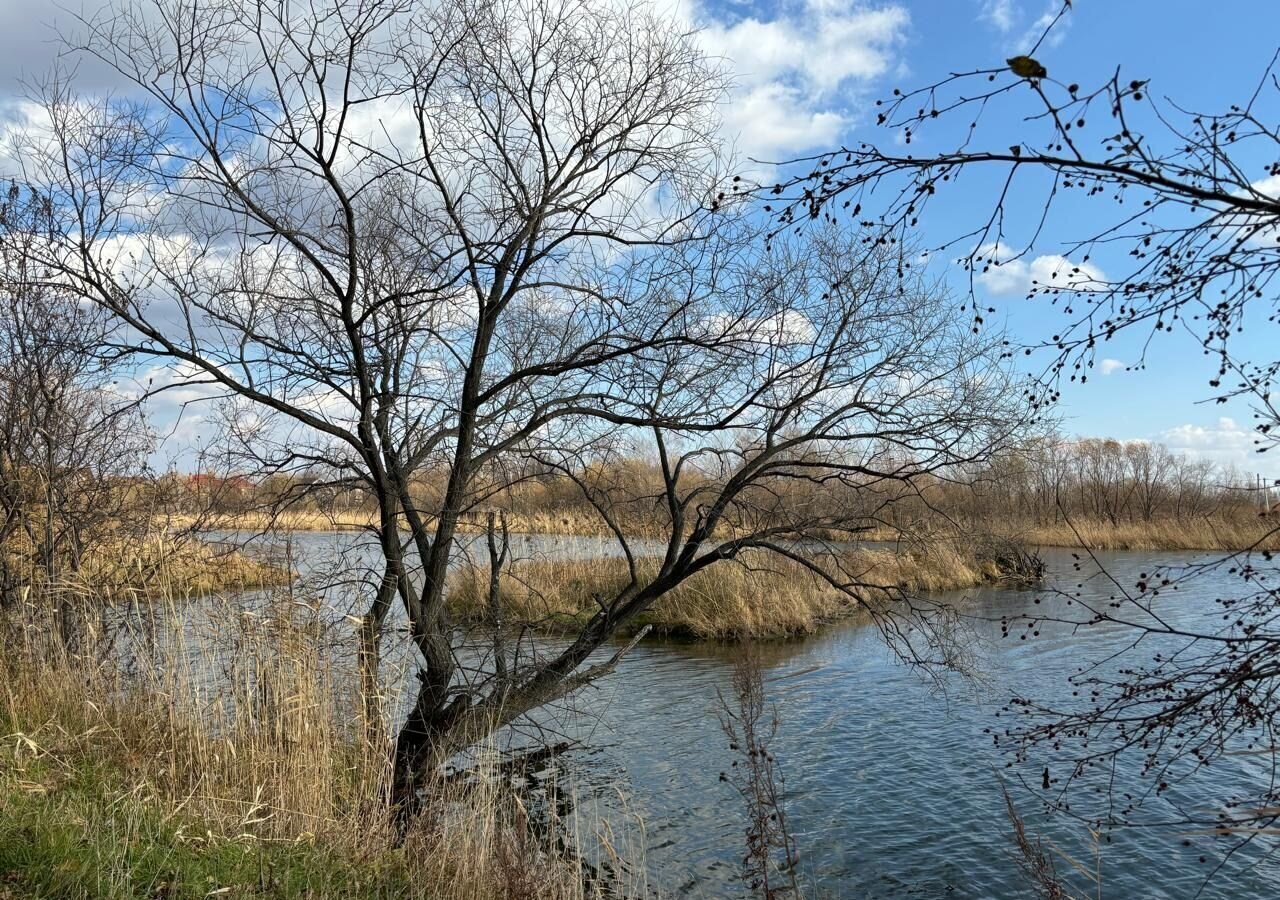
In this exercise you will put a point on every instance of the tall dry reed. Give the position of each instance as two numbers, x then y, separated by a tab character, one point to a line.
760	595
1204	533
225	736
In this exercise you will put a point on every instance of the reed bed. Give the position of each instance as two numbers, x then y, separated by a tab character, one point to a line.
758	596
1203	533
1208	533
225	755
569	522
141	567
161	566
259	520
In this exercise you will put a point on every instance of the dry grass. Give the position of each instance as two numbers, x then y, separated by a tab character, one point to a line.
1185	534
118	569
759	597
264	520
159	566
1206	533
233	766
559	523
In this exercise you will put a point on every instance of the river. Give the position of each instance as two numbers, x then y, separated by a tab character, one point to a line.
893	786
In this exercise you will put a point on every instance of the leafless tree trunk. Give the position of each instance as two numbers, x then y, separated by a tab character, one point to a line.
484	238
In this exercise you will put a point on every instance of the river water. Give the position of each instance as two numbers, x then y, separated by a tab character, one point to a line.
892	783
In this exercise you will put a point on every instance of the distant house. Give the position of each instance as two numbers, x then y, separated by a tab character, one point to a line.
201	483
233	490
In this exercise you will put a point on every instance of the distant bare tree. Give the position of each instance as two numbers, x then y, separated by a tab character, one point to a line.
1053	479
478	240
71	444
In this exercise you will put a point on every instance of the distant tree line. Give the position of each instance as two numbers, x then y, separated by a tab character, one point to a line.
1107	481
1052	480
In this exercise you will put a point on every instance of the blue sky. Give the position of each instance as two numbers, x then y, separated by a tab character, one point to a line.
1204	56
807	73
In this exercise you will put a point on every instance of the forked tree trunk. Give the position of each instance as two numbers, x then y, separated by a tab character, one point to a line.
422	745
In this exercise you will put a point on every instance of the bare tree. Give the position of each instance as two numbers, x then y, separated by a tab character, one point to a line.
483	239
72	445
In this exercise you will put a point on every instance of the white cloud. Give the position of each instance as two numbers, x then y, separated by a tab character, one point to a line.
1226	432
21	122
1225	443
1000	13
179	383
797	69
788	327
1268	187
1110	366
772	120
1005	272
824	44
794	72
1259	230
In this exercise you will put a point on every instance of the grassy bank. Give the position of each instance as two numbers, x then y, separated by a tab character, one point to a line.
118	569
1169	534
198	779
1201	533
759	597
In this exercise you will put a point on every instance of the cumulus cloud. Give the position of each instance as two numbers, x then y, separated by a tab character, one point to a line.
1009	272
771	121
824	44
179	383
797	68
1225	443
790	69
1110	366
1268	187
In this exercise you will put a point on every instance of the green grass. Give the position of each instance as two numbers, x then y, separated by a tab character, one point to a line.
70	829
134	794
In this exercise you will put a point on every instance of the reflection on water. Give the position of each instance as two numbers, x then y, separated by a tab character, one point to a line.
894	787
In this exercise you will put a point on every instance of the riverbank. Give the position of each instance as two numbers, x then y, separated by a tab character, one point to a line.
150	567
1210	534
140	788
1200	533
759	596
